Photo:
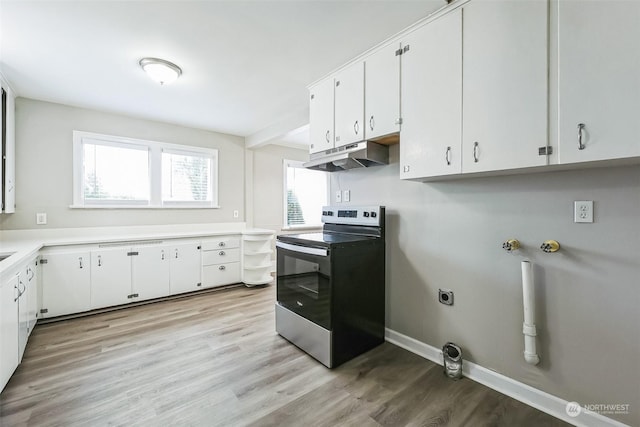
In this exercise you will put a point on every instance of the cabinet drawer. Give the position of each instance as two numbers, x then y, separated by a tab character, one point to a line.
220	274
220	256
223	242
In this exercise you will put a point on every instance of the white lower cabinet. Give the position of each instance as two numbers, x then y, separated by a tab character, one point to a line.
256	260
220	261
185	267
150	272
110	277
66	281
9	327
32	294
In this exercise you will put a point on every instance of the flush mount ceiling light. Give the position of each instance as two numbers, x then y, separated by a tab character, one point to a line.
160	70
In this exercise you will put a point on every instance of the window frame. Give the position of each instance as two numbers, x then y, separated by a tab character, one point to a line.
155	150
286	163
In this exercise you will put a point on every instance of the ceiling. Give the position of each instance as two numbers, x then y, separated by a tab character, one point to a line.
246	64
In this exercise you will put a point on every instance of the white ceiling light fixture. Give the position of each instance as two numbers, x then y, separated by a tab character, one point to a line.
160	70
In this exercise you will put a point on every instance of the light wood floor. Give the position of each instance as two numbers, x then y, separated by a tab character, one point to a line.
215	360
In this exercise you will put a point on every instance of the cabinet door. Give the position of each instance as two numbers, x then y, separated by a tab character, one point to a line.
8	329
66	283
10	155
349	105
599	80
382	92
23	313
431	137
186	267
110	277
321	116
32	299
220	274
504	84
150	271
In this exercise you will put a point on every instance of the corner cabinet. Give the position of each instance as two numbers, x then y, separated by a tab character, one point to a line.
598	80
256	258
18	305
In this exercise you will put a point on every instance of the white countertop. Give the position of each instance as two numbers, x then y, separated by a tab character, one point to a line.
25	244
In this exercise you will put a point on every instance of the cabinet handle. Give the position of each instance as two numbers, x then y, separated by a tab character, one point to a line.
356	127
475	152
99	260
30	270
406	168
447	156
176	254
222	244
162	254
327	136
371	123
581	146
222	267
17	289
221	253
80	262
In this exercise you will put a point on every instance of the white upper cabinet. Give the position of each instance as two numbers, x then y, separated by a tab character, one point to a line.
7	168
599	80
504	72
321	116
382	92
349	105
431	137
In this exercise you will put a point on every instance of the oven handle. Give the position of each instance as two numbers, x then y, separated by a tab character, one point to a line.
302	249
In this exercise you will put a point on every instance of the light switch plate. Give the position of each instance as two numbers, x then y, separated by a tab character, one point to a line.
346	195
583	211
338	196
41	218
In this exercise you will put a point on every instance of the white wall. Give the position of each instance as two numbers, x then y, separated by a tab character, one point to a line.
44	168
268	184
449	235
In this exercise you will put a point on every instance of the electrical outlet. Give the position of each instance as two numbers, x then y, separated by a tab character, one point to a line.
346	195
236	214
583	211
445	296
41	218
338	196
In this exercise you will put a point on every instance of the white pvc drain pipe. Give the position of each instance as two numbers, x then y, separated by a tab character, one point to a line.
529	325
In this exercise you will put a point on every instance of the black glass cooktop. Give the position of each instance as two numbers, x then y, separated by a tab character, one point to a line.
323	239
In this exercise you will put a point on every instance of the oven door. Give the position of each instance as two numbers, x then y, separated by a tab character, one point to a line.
304	281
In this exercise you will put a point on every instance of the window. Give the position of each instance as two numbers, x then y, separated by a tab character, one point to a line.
305	193
121	172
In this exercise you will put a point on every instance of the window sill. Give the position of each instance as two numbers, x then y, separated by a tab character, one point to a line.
140	207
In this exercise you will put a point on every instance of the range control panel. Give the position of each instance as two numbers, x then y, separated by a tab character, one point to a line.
355	215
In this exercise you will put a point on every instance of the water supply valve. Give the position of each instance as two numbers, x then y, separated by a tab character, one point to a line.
511	245
549	246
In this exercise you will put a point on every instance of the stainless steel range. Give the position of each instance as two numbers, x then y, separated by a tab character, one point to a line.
331	285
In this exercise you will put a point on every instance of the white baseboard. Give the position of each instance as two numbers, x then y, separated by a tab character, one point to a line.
538	399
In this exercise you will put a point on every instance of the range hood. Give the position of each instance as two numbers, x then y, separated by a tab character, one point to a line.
360	155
